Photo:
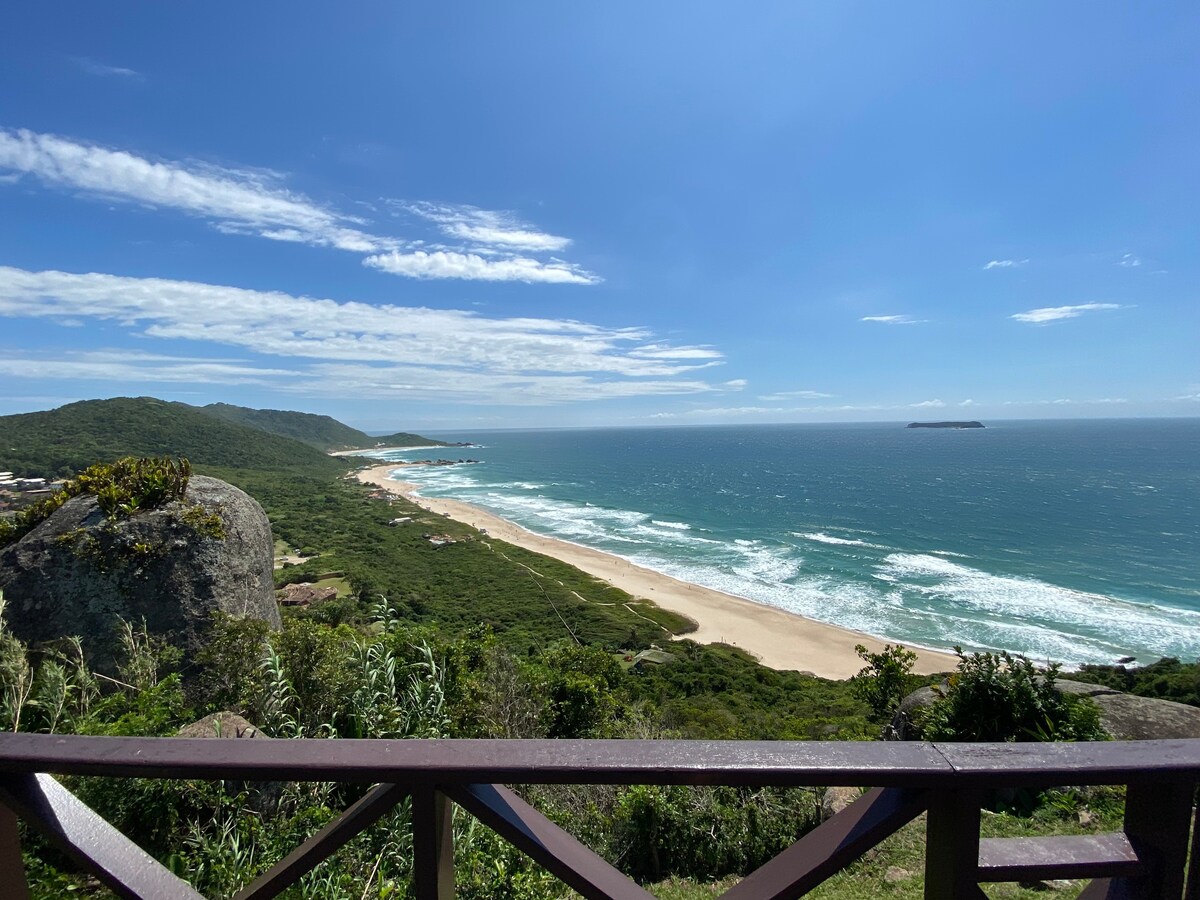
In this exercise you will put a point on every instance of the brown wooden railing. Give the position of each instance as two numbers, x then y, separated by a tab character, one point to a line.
1147	859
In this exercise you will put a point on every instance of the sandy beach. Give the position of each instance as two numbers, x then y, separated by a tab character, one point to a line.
779	639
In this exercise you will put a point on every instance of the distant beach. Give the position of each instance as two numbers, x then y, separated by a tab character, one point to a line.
779	639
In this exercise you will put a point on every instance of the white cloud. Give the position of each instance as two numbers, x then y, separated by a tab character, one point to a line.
1066	401
472	266
1005	264
665	351
367	350
488	227
794	395
724	412
892	320
1129	261
238	201
92	67
137	368
967	402
1054	313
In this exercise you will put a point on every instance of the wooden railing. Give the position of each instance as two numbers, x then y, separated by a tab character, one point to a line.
1147	859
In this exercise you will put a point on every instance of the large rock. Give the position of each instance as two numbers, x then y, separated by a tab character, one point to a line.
1126	717
223	724
76	573
904	727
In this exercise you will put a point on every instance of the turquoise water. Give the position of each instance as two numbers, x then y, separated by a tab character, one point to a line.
1072	541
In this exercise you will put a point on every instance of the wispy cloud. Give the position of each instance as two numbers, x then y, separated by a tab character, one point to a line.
1067	401
473	267
102	70
728	412
781	396
892	320
234	200
666	351
1004	264
256	202
1129	261
371	351
138	368
1054	313
490	228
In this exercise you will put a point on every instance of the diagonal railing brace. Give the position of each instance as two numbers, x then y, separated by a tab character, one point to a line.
71	825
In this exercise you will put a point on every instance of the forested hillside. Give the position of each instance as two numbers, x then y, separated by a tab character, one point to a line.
323	432
70	438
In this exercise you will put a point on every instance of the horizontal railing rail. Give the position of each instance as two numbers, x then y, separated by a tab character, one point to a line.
948	782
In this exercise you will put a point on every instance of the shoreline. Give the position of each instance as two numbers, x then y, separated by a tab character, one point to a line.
366	453
777	638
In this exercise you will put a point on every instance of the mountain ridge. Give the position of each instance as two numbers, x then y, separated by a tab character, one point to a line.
69	438
324	432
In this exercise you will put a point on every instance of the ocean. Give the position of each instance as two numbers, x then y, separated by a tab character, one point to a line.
1072	541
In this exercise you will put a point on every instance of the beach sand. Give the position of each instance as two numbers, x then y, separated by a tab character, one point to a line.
779	639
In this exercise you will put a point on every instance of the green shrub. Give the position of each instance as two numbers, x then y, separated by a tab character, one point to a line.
706	832
1004	697
885	680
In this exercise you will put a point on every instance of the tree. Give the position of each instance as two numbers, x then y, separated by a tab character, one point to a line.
885	680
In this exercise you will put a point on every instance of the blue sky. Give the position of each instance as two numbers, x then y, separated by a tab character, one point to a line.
490	215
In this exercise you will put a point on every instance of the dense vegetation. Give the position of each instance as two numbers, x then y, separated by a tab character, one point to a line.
1167	679
323	432
1004	697
66	440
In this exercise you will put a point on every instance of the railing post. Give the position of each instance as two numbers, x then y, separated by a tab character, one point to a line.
1157	820
13	885
433	845
952	846
1192	891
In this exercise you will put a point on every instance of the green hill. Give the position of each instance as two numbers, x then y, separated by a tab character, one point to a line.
67	439
323	432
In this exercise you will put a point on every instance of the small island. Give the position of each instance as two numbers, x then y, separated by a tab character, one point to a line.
945	424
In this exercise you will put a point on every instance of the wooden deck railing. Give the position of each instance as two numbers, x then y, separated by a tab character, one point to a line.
1146	859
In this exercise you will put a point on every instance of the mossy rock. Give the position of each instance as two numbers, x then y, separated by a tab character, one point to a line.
79	571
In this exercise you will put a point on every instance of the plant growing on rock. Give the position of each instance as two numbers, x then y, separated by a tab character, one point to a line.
122	489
